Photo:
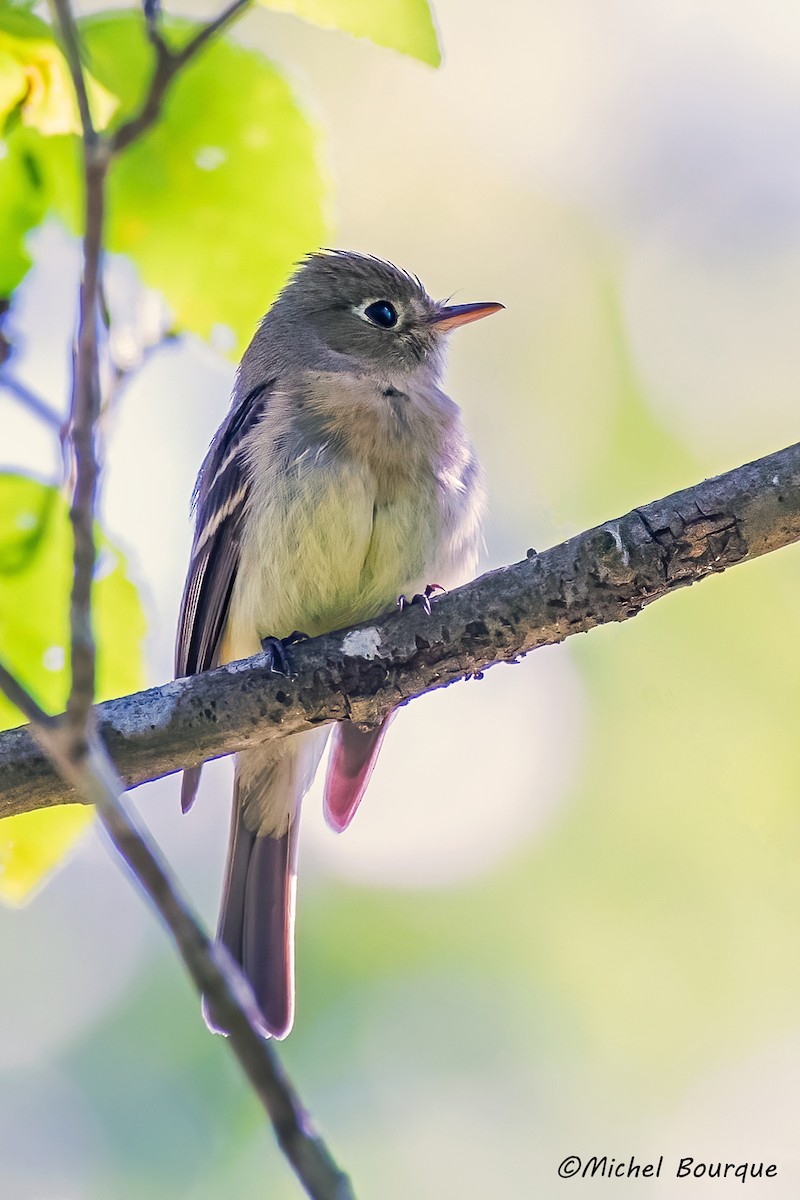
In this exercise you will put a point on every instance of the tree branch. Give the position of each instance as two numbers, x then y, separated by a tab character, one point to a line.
70	742
22	699
84	411
85	404
33	402
69	36
609	573
213	971
168	64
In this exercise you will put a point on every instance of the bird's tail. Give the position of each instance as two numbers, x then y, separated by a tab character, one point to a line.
256	923
354	753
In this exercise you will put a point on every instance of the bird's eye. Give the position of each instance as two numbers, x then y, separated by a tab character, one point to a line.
381	313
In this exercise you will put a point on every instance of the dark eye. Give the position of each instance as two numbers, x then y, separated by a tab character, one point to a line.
381	313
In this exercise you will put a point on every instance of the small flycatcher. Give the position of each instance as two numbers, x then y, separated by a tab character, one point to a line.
340	479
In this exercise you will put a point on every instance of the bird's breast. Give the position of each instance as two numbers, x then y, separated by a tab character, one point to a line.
347	510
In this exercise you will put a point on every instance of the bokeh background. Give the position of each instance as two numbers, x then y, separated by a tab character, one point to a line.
567	918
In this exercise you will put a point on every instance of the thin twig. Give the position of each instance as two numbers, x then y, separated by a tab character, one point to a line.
30	399
168	64
70	742
5	343
122	377
84	412
22	699
217	977
116	375
72	50
152	16
209	31
213	971
85	404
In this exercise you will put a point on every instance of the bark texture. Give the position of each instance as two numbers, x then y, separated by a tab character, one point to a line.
609	573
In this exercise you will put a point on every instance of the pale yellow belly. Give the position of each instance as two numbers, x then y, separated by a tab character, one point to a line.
328	552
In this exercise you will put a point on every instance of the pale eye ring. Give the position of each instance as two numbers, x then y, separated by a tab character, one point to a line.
381	313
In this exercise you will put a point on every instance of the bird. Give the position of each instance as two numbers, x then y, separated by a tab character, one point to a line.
340	480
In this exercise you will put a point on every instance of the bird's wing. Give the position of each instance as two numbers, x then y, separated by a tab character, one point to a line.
221	498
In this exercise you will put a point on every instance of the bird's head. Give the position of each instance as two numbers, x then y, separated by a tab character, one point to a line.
370	311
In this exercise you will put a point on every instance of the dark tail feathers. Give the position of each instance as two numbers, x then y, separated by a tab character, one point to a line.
256	922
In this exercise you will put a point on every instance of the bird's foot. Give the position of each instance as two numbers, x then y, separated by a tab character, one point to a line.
295	638
275	650
423	598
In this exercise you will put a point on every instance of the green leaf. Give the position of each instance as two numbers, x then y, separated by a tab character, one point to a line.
224	195
35	79
404	25
35	575
33	171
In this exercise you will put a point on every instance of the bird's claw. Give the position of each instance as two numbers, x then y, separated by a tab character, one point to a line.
422	598
295	638
275	650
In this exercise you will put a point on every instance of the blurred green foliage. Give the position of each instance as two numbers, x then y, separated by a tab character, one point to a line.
26	194
252	152
249	151
171	197
35	578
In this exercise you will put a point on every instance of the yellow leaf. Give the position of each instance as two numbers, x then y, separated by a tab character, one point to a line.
32	844
35	573
13	84
35	78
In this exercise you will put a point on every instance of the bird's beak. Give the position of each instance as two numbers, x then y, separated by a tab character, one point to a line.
450	316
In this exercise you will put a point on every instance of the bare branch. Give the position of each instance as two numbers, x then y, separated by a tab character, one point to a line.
168	64
71	743
213	971
152	16
121	376
35	403
609	573
5	344
22	699
84	411
209	31
69	36
217	977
